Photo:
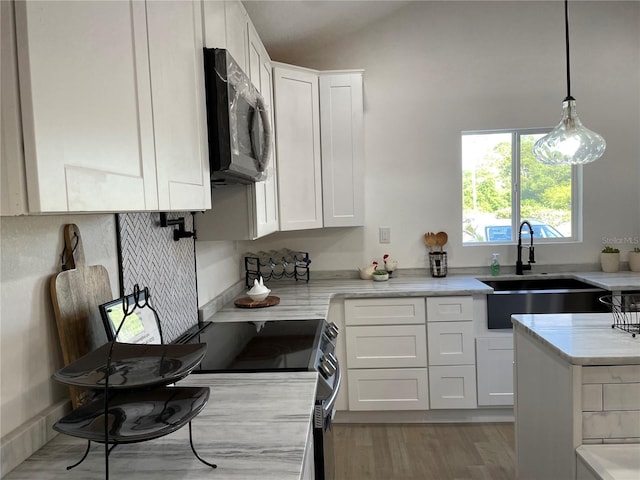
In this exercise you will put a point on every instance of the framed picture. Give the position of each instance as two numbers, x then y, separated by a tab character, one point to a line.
140	326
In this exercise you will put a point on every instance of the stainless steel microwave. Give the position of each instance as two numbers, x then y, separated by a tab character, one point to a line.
238	124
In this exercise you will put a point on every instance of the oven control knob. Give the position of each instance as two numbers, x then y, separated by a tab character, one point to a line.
327	367
332	330
332	358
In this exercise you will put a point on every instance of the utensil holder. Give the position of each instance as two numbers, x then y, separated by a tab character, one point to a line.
438	264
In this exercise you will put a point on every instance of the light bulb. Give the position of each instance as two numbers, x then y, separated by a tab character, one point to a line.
569	143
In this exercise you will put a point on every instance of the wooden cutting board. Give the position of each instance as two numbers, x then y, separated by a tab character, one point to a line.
246	302
76	294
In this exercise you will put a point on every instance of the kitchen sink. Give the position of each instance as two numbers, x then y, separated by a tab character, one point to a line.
540	295
525	284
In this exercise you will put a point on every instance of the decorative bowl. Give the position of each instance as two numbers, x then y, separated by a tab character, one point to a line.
379	276
258	297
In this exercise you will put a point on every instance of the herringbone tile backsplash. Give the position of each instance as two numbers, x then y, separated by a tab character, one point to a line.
151	258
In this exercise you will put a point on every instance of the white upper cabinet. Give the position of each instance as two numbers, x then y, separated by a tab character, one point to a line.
94	140
341	127
255	56
13	192
267	191
236	27
86	106
177	86
297	113
241	212
319	129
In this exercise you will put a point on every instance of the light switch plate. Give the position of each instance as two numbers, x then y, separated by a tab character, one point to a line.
385	234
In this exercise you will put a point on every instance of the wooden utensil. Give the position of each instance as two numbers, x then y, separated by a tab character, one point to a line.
430	240
441	240
76	294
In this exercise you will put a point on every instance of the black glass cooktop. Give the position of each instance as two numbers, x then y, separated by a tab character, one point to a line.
285	345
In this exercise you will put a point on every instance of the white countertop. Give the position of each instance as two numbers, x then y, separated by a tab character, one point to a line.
254	426
303	301
614	282
581	338
612	462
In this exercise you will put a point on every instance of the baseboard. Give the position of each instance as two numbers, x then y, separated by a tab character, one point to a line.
483	415
21	443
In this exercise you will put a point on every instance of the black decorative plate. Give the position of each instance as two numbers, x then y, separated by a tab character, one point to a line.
133	365
135	416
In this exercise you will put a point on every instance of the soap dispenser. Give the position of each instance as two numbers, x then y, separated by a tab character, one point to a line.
495	265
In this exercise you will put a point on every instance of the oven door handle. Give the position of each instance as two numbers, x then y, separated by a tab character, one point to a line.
329	402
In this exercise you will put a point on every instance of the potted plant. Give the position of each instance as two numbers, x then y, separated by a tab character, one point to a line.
610	259
380	275
634	260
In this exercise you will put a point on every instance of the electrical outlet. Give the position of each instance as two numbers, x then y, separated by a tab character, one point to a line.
385	234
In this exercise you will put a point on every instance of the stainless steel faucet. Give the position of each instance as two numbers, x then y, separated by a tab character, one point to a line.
520	268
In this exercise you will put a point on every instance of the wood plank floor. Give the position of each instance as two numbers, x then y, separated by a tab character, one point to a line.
478	451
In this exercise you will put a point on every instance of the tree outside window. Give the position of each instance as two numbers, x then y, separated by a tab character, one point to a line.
503	184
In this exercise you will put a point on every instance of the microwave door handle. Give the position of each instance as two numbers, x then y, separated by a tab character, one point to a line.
263	116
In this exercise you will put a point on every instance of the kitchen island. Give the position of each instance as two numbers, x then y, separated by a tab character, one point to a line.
255	426
577	382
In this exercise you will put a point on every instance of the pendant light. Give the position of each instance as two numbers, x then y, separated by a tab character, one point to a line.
570	142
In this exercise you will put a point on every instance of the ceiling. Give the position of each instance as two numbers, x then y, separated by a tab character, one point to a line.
289	28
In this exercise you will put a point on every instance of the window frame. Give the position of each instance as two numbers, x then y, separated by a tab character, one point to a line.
516	220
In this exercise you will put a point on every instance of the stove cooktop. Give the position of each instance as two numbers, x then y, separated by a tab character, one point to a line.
286	345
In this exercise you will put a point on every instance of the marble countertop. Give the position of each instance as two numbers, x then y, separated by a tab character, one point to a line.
581	338
304	301
254	426
619	281
612	462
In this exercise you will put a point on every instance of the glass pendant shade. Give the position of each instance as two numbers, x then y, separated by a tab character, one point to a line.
569	143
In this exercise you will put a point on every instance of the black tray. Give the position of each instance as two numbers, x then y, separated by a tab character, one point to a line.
135	416
133	366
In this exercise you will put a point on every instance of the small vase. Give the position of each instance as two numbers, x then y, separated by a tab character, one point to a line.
634	261
610	262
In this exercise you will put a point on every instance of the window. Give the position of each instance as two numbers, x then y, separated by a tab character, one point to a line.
503	184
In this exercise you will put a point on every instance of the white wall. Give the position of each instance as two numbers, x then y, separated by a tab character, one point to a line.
29	345
434	69
218	268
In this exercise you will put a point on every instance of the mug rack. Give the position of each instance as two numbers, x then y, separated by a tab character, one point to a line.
276	265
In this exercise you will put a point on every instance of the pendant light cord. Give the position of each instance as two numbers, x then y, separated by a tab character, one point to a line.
566	34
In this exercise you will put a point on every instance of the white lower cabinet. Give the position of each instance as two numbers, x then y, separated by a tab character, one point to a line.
452	369
452	386
384	346
495	370
583	472
386	353
385	311
388	389
451	343
308	467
